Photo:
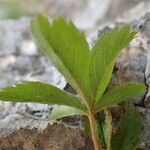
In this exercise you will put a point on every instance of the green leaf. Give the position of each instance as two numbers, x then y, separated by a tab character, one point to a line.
104	54
107	129
119	94
40	93
129	131
67	49
64	111
105	80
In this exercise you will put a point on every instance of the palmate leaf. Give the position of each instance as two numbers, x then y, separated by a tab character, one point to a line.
118	94
64	111
104	54
67	49
40	93
129	132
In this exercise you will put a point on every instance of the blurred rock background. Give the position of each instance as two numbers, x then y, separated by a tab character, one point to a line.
20	58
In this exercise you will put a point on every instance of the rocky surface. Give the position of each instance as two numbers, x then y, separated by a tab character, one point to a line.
145	144
28	134
20	60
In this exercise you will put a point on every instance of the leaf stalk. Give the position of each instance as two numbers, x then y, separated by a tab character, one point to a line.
91	117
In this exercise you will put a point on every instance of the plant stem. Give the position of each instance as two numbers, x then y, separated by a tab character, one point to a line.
93	131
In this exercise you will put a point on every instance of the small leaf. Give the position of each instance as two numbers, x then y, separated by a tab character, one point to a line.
104	54
128	135
64	111
119	94
107	129
40	93
67	49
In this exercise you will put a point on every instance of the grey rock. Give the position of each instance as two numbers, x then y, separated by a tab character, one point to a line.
11	31
132	69
127	11
117	7
24	65
28	47
146	127
145	27
6	79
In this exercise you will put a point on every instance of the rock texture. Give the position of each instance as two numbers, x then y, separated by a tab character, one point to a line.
28	134
26	126
146	127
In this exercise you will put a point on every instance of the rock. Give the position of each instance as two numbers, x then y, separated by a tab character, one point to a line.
126	11
135	13
146	127
24	134
28	48
79	11
11	31
6	79
96	10
145	27
25	64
